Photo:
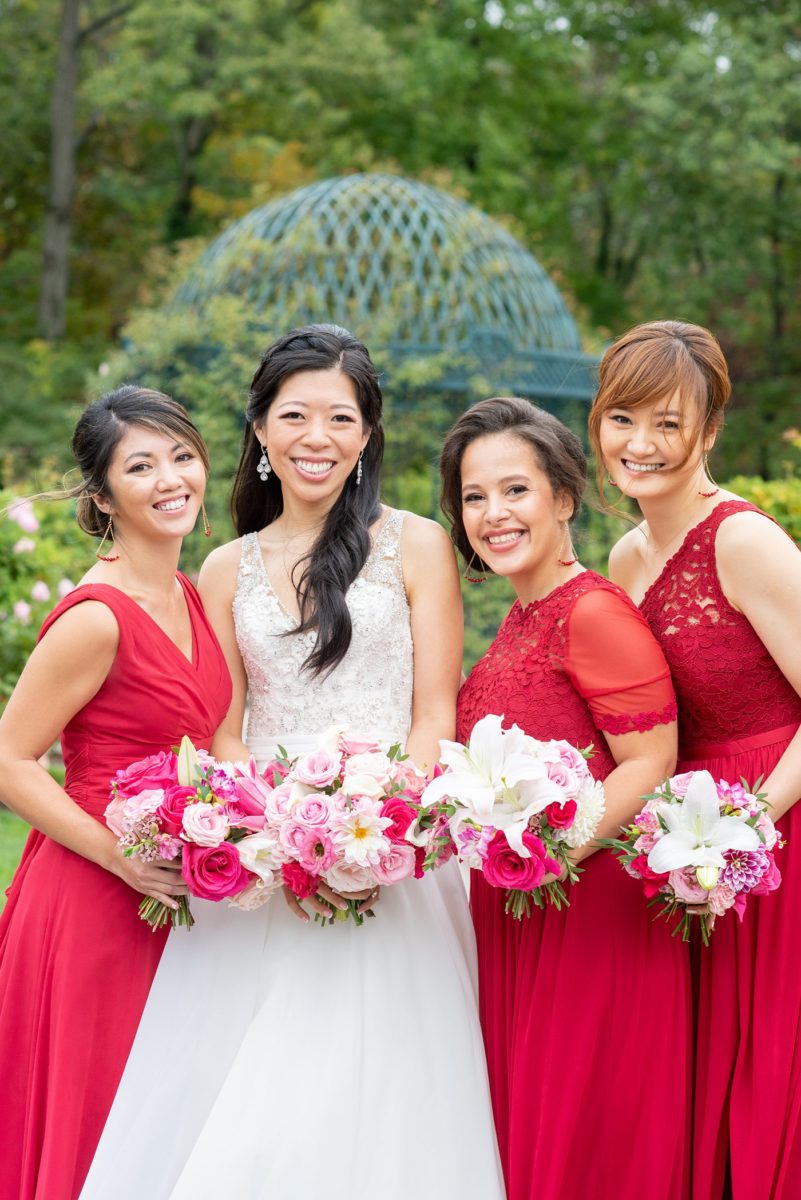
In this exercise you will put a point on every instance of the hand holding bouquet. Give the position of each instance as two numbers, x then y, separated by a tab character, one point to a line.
700	848
517	807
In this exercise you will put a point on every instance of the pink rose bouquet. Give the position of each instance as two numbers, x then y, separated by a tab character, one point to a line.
184	805
515	807
700	848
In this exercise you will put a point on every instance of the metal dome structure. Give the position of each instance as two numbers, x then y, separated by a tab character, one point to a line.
409	268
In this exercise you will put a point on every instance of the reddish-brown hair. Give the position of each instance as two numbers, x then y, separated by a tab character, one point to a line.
655	361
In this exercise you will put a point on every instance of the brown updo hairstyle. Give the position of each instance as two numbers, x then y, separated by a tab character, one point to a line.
101	427
654	362
558	452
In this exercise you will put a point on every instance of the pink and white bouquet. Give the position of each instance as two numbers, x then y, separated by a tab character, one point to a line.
517	807
700	848
184	805
346	814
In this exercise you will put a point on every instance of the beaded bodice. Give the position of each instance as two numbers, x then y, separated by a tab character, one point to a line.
727	684
370	691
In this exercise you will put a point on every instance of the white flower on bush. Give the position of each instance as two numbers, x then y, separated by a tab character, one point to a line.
65	586
22	611
204	824
40	591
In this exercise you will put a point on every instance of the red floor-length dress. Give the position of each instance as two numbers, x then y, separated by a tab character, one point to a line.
737	713
586	1012
76	962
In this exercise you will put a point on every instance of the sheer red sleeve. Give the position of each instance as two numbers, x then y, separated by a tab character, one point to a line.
617	665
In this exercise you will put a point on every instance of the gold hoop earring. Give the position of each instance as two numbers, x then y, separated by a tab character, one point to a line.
567	562
206	522
107	557
708	473
473	578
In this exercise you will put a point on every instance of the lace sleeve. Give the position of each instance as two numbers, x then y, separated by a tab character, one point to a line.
617	665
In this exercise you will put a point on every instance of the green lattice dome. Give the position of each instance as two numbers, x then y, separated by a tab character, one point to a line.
410	269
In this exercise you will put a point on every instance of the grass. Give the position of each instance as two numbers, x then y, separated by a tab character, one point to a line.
13	833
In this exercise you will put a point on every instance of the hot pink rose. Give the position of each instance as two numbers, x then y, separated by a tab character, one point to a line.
397	864
318	770
352	743
299	881
156	771
170	813
313	810
561	816
770	880
504	867
652	881
400	814
213	872
205	824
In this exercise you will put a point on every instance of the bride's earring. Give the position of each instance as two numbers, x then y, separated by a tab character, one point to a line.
263	466
359	469
109	533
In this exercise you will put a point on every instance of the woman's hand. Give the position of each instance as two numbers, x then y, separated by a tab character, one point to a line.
161	880
326	900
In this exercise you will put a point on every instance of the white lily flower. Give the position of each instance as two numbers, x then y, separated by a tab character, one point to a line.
697	833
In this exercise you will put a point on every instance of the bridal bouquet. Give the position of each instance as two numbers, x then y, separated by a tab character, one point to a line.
346	814
183	804
700	848
516	806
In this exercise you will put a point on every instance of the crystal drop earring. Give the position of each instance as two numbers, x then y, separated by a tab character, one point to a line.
359	469
263	466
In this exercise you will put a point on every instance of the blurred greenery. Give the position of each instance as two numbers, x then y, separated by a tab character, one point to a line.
13	833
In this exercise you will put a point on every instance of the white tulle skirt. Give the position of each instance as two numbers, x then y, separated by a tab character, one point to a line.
277	1060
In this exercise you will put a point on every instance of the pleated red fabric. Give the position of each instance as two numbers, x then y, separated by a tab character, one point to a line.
585	1012
76	962
737	715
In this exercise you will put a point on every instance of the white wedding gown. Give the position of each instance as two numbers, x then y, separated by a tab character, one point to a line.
278	1060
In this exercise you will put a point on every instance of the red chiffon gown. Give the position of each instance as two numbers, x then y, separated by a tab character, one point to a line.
737	714
76	962
585	1012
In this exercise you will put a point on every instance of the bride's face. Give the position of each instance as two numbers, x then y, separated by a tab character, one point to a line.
314	434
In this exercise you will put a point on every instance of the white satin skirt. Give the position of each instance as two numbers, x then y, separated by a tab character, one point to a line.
278	1059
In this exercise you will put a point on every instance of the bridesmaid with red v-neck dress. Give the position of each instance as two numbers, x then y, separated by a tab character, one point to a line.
123	669
719	583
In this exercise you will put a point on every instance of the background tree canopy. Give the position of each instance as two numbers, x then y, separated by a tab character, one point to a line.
648	154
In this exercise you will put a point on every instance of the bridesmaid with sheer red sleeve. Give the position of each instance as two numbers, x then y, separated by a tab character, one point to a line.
124	666
719	583
586	1012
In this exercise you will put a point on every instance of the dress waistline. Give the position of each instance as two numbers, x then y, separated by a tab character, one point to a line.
703	750
264	748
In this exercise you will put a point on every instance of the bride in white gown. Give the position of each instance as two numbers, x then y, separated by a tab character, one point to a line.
277	1058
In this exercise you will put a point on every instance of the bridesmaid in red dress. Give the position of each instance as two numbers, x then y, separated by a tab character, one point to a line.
719	583
125	665
586	1012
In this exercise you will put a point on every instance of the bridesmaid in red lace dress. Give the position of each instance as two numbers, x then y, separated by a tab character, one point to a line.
124	666
586	1011
719	583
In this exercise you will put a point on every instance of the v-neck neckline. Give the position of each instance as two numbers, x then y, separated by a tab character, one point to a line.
192	662
680	548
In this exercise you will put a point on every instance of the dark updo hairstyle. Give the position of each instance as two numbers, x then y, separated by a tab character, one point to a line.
101	427
558	452
342	546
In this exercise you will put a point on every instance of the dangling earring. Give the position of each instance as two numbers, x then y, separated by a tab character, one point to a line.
206	522
359	469
708	473
566	562
611	481
472	578
107	557
263	465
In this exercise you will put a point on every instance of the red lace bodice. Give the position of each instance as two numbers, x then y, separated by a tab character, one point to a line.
577	662
727	684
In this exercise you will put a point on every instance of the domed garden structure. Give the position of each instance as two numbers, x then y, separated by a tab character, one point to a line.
440	292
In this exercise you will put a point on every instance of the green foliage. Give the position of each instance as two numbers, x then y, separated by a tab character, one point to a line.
13	833
780	498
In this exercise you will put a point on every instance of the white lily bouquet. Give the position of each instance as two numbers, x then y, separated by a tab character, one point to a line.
516	808
700	848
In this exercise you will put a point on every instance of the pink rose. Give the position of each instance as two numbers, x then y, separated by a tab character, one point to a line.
313	810
652	881
213	872
765	826
396	864
564	778
316	852
292	836
170	813
352	743
686	888
318	770
374	765
156	771
770	880
114	816
408	778
169	847
254	895
349	877
400	814
278	803
144	804
721	898
572	758
561	816
299	881
680	783
205	824
504	867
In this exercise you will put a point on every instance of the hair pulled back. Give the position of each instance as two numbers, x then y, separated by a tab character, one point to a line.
558	452
101	427
656	361
342	546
